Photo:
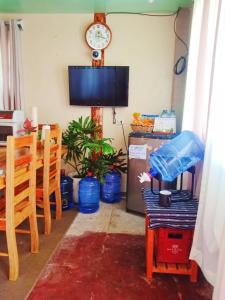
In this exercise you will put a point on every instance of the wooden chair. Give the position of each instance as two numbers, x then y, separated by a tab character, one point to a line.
48	177
19	197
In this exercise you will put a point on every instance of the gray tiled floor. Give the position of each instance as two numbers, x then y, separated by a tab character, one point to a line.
111	218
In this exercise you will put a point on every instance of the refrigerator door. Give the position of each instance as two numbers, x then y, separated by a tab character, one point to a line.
137	166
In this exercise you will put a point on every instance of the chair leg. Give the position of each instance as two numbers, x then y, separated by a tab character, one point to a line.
13	253
47	214
58	203
34	233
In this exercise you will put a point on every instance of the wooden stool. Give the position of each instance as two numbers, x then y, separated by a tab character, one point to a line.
152	266
180	216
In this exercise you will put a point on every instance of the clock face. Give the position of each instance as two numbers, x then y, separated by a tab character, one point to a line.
98	36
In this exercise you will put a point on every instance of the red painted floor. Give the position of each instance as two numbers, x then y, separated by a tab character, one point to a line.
101	266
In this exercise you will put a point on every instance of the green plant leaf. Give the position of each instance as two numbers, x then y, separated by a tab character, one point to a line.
81	138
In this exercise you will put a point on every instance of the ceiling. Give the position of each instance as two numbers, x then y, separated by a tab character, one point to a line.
91	6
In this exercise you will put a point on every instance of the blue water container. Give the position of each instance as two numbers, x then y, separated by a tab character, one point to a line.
111	187
177	156
66	189
88	195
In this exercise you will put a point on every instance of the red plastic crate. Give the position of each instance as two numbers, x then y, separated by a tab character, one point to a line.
173	245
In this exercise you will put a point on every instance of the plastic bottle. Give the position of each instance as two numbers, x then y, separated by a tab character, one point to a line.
111	187
176	156
172	114
164	113
64	195
88	195
66	187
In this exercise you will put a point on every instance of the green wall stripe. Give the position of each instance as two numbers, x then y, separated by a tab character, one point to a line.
91	6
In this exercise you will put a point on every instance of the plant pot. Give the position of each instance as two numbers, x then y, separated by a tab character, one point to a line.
76	181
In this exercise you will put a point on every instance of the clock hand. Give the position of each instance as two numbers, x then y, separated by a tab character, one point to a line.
100	36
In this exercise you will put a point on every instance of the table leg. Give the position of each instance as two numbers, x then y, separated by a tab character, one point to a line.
194	271
149	252
146	228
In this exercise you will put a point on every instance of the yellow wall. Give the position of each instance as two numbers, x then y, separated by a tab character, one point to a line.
51	42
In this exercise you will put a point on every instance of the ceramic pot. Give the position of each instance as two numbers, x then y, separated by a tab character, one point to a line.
76	181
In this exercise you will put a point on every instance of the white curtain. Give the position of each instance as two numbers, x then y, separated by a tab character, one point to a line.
204	113
11	92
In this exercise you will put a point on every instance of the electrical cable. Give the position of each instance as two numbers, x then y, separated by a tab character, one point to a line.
114	115
121	123
142	14
124	138
181	63
179	66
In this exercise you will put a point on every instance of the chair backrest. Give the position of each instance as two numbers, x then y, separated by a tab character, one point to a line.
52	156
20	177
52	126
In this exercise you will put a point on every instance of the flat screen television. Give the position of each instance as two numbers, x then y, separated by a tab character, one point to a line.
98	86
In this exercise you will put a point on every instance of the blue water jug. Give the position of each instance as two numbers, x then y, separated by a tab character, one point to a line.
88	195
111	187
176	156
66	188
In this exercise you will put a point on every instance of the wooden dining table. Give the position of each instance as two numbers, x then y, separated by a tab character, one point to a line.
39	162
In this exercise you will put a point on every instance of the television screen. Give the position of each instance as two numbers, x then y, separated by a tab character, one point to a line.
98	86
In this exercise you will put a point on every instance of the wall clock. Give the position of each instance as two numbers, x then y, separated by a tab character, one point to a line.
98	36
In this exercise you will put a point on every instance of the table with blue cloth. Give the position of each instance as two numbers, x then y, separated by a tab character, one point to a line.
180	215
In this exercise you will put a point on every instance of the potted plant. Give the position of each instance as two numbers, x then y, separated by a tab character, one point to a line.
117	161
83	148
27	128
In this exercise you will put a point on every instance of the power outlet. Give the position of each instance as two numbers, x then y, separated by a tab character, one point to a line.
119	122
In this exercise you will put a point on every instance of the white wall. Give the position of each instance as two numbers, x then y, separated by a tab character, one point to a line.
146	44
51	42
183	28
